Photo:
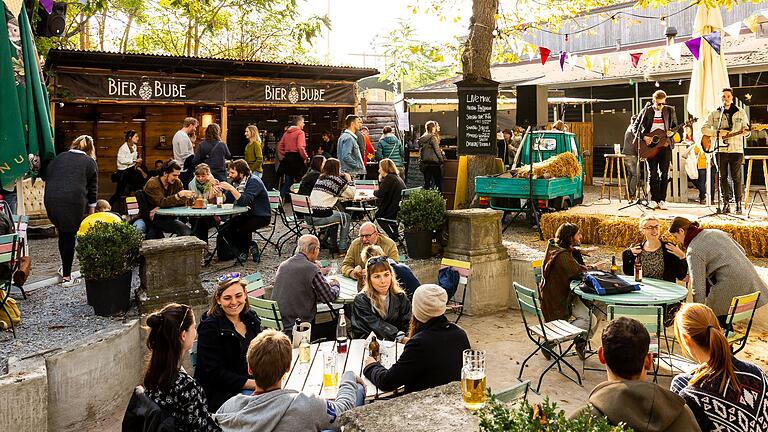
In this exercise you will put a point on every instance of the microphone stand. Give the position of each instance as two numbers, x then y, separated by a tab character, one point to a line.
639	201
718	155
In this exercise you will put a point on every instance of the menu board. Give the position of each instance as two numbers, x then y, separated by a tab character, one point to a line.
477	117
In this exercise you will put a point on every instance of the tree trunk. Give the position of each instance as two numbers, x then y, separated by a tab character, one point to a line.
476	58
188	39
126	33
476	63
102	28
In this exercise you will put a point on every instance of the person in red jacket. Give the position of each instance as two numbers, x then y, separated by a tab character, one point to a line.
292	152
370	151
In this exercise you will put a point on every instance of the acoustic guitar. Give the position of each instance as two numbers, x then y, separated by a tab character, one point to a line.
660	140
706	140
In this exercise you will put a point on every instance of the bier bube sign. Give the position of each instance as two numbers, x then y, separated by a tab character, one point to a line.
477	116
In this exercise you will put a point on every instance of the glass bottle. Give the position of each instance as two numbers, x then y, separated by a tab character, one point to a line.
614	267
374	348
341	333
304	355
639	267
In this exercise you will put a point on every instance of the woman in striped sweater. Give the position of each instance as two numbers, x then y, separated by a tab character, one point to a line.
331	186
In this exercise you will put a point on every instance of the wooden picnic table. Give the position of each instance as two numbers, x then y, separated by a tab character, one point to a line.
308	377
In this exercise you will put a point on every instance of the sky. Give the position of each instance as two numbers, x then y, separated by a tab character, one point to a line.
355	25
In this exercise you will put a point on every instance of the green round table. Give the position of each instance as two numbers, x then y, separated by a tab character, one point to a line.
210	211
652	292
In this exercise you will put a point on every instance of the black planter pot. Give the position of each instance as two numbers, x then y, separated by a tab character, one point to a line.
419	244
109	296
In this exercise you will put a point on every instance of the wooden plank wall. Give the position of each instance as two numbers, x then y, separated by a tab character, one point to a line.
583	132
107	124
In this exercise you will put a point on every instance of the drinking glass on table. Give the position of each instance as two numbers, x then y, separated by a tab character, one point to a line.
333	268
330	375
473	379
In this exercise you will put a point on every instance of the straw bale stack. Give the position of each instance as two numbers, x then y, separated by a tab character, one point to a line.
562	165
623	231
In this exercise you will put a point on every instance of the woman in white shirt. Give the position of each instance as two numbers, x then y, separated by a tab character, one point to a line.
129	170
127	155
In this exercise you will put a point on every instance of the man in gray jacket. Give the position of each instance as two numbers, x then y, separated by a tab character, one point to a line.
626	396
272	408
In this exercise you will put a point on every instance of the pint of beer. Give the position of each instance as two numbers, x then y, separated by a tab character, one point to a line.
473	379
330	376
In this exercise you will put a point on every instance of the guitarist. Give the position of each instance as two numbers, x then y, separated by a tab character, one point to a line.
658	116
731	149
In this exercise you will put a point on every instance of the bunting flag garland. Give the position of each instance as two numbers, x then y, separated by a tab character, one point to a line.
674	52
14	6
606	61
588	63
544	52
751	23
572	60
47	5
635	58
713	39
694	46
734	30
563	56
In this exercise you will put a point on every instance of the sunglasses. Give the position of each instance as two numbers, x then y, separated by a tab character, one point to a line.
186	312
229	278
376	260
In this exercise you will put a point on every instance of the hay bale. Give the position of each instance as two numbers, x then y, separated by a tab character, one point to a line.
562	165
623	231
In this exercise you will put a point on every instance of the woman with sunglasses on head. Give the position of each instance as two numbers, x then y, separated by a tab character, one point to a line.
660	259
382	306
171	335
720	383
225	332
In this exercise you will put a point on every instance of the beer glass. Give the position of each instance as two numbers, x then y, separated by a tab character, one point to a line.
330	377
473	379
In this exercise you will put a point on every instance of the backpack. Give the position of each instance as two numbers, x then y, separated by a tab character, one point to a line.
448	278
12	316
604	283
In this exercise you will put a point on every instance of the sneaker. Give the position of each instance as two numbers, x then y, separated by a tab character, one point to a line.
662	205
726	209
70	282
738	209
653	204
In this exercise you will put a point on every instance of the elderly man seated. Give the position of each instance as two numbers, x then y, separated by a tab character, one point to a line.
300	285
353	264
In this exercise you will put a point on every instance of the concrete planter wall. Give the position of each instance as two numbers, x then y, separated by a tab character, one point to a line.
78	389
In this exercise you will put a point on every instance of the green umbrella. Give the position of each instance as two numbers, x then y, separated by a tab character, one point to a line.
25	119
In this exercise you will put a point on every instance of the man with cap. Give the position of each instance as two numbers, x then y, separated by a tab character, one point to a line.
433	350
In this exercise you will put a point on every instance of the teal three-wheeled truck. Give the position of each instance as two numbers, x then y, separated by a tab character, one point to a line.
510	194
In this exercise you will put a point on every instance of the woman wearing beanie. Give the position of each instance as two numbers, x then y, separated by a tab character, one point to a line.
433	351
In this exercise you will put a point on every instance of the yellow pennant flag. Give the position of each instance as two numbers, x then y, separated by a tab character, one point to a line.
751	23
606	64
588	63
653	55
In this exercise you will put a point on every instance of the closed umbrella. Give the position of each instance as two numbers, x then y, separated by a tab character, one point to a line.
709	75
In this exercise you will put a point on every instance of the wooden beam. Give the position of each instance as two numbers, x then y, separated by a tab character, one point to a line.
224	121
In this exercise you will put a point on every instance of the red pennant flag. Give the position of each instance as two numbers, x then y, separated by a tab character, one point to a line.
635	58
544	53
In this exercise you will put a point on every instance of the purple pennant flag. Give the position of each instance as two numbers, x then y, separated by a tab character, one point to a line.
694	45
47	5
563	57
713	39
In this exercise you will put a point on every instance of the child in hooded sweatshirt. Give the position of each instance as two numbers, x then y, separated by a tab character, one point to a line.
273	409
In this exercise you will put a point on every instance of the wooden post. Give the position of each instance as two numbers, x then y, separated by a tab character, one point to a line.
223	122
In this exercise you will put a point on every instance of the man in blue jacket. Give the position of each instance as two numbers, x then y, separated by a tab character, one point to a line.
347	150
247	190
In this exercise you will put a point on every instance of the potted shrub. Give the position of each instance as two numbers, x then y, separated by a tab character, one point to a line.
108	252
421	214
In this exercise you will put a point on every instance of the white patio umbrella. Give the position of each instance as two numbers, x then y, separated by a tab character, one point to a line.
709	75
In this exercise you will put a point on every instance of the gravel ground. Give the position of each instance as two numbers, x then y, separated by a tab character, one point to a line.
55	317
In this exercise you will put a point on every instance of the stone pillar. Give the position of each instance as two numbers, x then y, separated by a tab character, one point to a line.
170	272
474	235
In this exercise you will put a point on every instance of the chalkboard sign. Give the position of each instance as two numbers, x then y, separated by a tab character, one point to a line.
477	117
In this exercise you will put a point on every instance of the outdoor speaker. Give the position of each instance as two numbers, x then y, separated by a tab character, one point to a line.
52	24
531	105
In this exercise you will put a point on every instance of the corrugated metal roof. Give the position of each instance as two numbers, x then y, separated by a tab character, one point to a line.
167	63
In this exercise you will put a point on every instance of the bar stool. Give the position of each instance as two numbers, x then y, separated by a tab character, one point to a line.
617	161
747	204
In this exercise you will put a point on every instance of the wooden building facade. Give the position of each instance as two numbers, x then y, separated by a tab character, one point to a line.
106	94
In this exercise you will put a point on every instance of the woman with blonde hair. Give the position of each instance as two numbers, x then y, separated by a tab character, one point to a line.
389	193
721	383
253	150
382	306
71	191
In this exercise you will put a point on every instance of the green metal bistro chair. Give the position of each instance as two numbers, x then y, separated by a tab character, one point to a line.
266	233
7	257
651	318
302	206
547	335
456	304
742	311
268	312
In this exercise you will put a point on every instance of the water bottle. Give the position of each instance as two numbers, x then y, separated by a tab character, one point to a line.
341	333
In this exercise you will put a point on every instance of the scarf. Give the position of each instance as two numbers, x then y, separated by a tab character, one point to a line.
690	234
729	115
241	186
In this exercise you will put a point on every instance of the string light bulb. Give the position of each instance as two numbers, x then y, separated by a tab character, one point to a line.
657	84
566	37
631	82
663	21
